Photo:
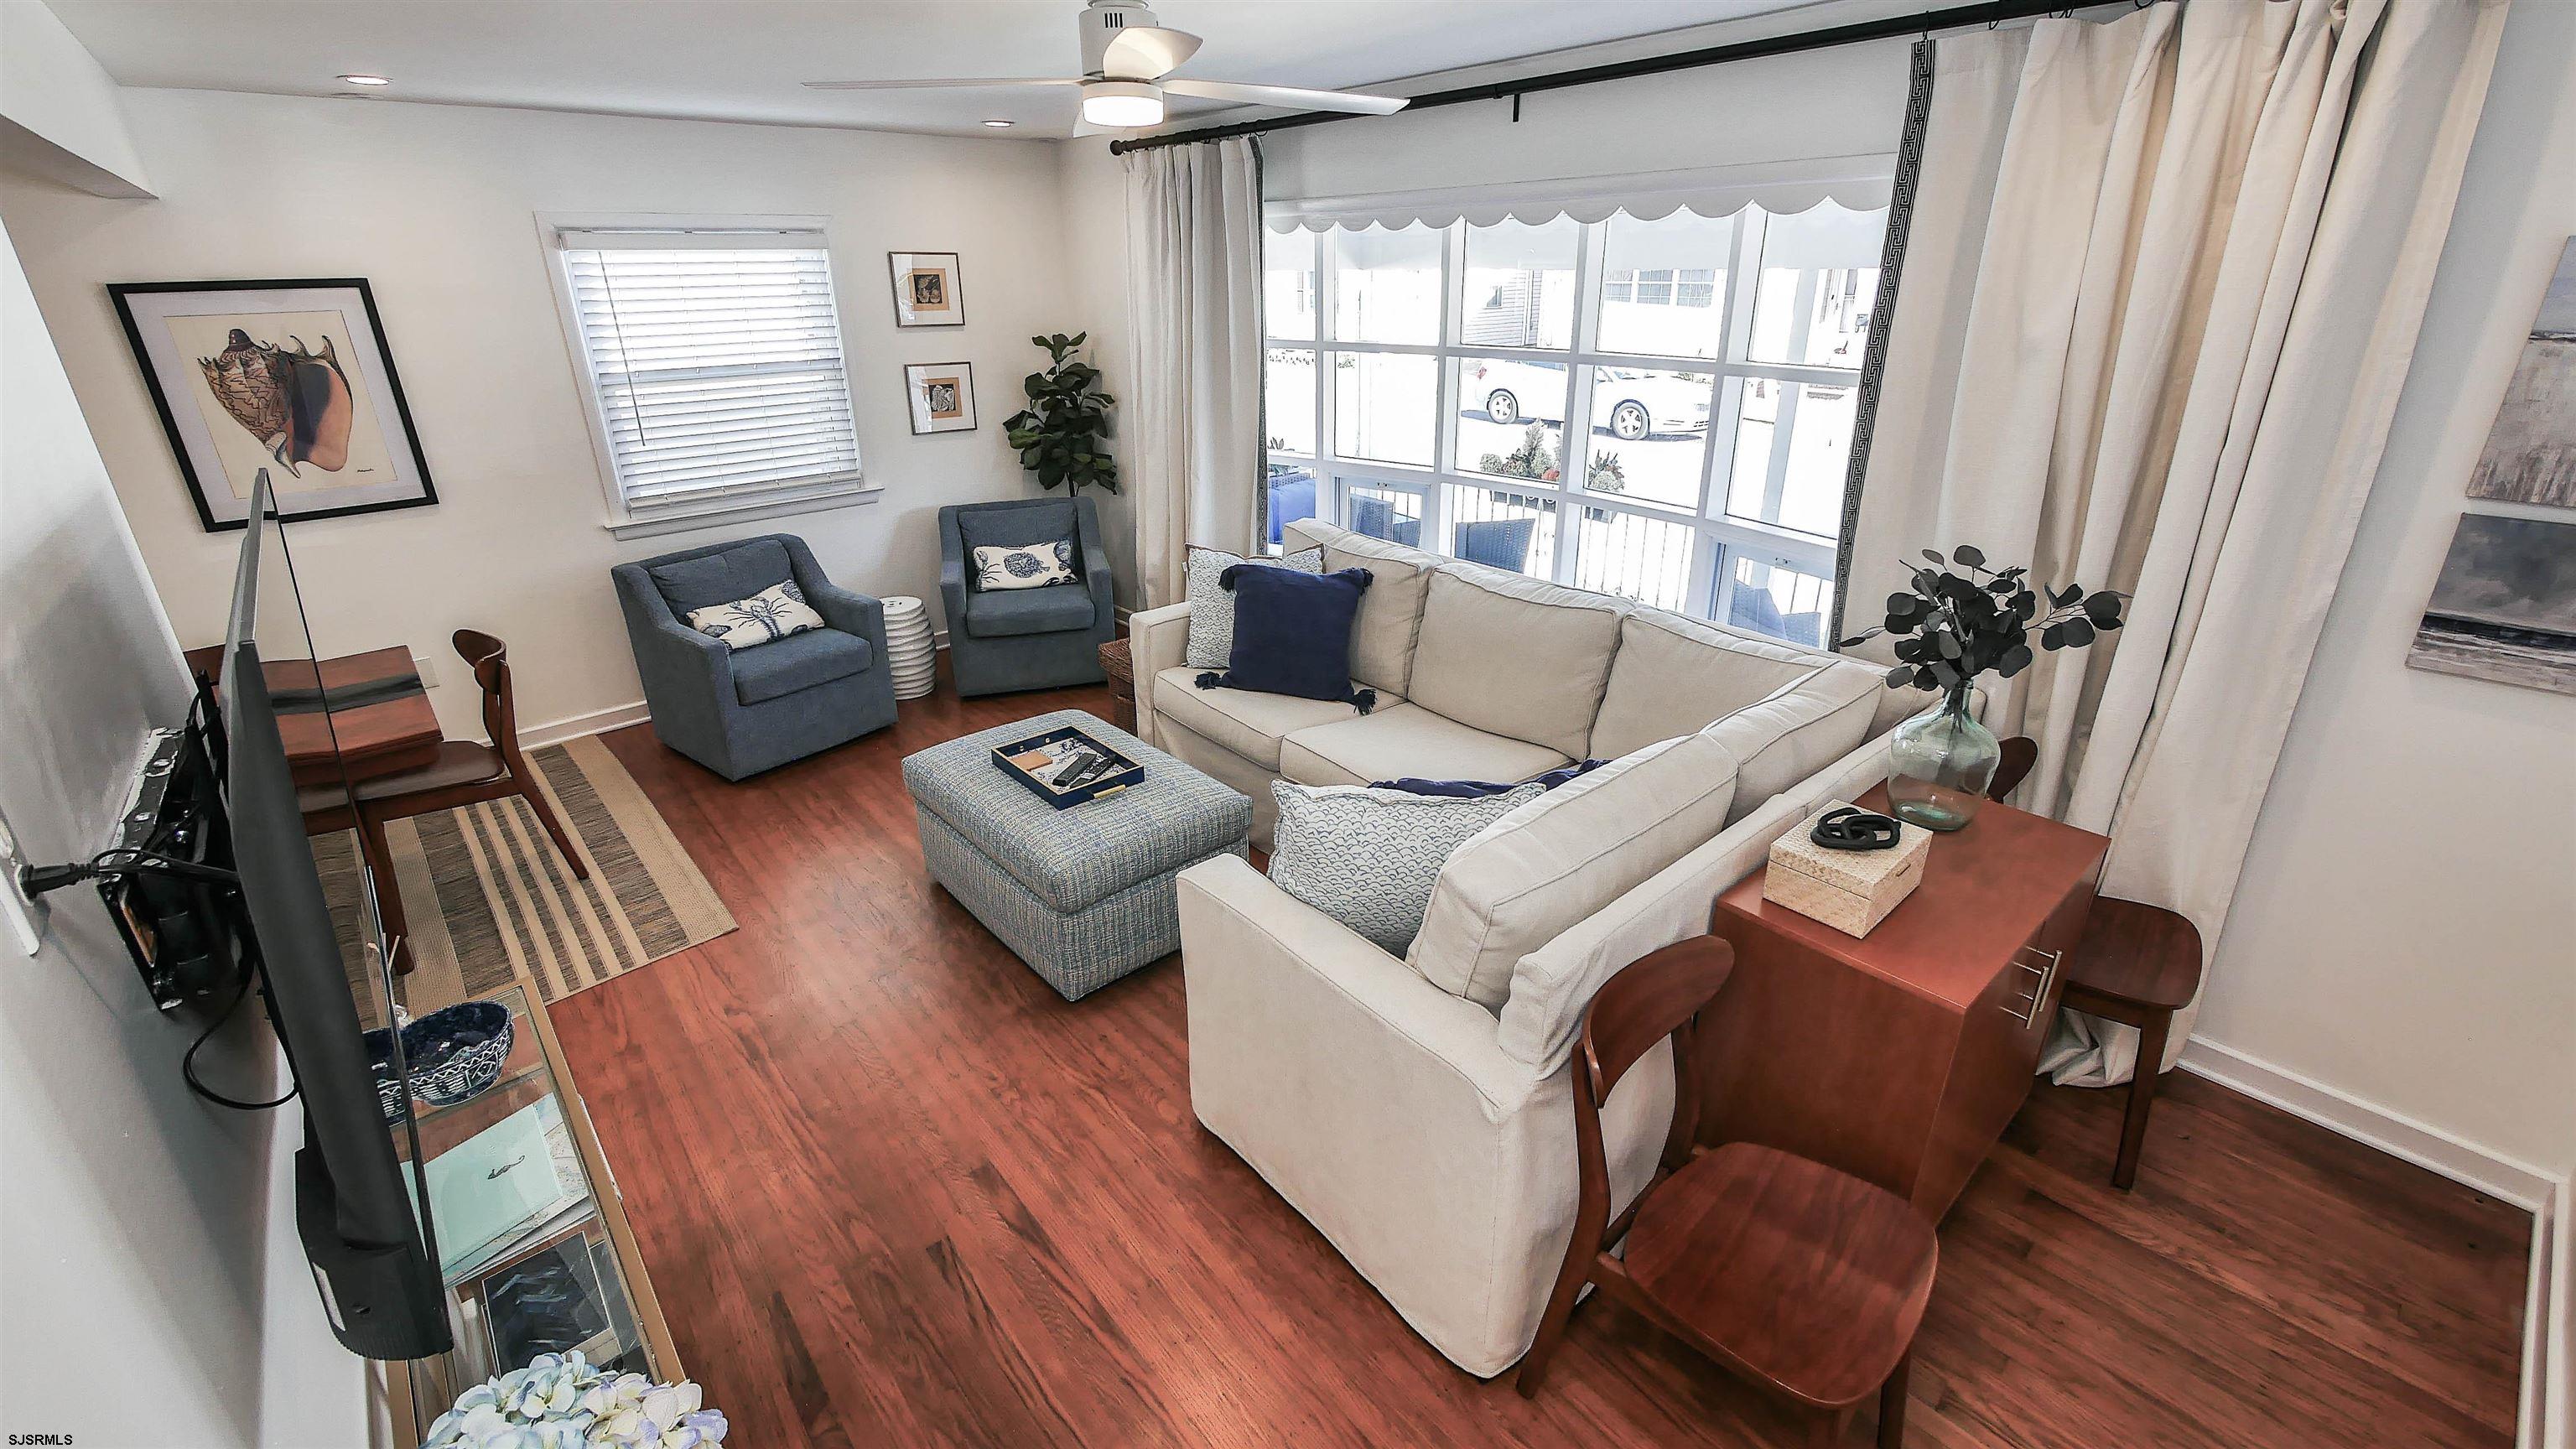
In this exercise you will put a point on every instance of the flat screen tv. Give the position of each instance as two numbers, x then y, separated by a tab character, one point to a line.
372	1258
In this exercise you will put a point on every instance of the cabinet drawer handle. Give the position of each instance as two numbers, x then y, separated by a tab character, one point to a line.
2039	994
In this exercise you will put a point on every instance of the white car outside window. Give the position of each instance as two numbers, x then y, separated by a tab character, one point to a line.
1628	403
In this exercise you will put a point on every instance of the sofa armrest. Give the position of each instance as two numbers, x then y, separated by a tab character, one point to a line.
1248	926
687	676
847	610
1553	985
952	594
1383	1110
1158	639
1096	571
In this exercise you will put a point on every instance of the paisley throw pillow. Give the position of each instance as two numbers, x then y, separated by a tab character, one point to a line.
773	613
1212	605
1024	566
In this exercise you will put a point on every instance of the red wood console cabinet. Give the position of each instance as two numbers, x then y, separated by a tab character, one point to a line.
1900	1056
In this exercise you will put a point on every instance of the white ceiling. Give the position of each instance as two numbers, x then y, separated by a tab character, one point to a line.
740	60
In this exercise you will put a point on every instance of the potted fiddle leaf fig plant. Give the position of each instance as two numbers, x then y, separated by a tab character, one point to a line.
1954	628
1061	434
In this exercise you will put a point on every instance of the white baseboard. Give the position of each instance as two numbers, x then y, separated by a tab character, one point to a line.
2545	1408
573	727
2427	1146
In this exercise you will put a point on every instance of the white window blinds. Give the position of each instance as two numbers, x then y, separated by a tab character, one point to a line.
714	361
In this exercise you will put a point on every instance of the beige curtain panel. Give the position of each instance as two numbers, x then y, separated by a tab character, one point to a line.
1193	409
2164	279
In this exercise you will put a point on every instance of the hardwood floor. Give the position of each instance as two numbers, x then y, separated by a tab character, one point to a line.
894	1191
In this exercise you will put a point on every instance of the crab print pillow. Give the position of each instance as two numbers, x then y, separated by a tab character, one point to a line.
1024	566
773	613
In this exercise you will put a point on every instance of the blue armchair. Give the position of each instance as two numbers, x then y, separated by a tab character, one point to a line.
1011	639
739	712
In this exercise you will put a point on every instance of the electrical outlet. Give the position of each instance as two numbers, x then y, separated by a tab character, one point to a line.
26	917
426	668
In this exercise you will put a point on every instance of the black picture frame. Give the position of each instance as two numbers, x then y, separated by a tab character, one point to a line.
925	424
897	274
398	414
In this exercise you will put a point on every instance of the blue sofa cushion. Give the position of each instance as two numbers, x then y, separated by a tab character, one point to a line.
1002	613
720	578
1043	520
799	661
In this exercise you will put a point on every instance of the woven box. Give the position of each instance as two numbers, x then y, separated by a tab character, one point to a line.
1849	890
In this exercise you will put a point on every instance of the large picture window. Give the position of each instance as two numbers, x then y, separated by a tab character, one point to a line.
1656	408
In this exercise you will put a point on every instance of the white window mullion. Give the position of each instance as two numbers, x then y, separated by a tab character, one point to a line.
1453	311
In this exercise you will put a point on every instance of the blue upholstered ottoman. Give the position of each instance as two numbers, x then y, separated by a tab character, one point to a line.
1083	895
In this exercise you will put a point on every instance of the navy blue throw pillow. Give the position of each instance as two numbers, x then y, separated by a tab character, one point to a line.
1292	633
1477	789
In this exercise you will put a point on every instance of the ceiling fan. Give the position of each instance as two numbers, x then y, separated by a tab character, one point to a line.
1127	61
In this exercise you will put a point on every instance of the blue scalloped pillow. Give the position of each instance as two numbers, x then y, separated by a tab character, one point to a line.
1292	633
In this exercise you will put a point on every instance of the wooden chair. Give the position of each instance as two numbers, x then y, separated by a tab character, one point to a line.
2136	964
1804	1281
465	773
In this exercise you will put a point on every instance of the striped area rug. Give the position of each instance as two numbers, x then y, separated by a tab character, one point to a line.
489	902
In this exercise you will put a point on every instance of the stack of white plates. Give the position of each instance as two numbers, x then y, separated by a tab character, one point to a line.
908	651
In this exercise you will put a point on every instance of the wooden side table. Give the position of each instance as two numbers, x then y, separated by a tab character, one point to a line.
2137	964
1900	1056
1121	669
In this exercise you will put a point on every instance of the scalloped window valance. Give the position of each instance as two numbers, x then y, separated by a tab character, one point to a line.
1858	183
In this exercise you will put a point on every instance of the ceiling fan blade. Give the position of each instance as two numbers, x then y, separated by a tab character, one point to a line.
1288	96
934	85
1147	52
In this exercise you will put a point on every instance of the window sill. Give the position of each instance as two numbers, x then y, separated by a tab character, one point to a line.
741	513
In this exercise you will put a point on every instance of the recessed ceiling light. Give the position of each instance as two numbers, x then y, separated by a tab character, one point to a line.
1001	125
364	80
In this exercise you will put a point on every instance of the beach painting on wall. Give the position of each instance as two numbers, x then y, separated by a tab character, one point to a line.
2504	607
291	377
2530	455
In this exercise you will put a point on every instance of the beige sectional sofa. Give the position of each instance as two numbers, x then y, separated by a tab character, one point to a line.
1487	675
1418	1111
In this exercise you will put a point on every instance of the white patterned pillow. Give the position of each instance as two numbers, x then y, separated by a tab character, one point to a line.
1368	858
1212	606
773	613
1024	565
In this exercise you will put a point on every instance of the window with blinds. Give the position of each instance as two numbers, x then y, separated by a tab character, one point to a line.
713	362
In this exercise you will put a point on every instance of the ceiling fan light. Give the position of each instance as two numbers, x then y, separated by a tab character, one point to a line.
1122	105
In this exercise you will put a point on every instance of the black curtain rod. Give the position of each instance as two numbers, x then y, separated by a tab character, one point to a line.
1989	13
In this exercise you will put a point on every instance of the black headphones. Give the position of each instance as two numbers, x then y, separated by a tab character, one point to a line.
1852	828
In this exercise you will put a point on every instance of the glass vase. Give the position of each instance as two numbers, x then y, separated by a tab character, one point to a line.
1941	762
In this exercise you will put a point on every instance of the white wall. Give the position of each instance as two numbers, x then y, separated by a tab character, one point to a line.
436	205
2405	932
148	1236
59	113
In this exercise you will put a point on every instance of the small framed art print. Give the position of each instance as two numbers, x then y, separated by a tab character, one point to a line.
928	292
942	395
